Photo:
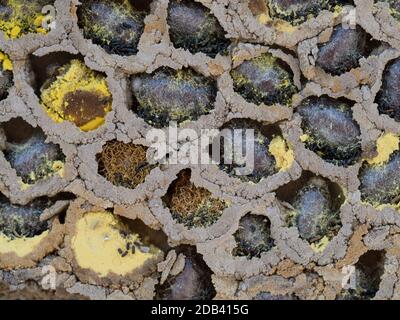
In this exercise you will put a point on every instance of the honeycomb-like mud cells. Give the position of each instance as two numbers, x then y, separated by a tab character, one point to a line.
90	92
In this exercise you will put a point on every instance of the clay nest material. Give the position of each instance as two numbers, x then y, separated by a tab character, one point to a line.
82	90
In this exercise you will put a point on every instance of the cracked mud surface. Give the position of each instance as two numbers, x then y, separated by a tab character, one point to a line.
325	196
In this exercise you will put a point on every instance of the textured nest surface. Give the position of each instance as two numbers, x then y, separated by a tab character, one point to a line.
81	90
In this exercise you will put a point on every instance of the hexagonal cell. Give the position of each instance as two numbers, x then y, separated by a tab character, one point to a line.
192	281
28	153
368	275
115	25
107	244
264	79
70	91
172	95
312	205
6	75
124	164
23	227
344	49
271	153
190	205
298	11
388	98
20	17
380	179
330	131
193	27
394	6
253	236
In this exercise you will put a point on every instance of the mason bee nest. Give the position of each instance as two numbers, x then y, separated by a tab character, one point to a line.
89	89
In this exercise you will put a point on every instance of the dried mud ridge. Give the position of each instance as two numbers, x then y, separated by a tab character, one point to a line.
80	200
